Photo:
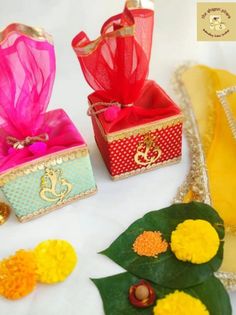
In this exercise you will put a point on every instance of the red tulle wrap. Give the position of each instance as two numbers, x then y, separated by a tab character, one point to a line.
116	67
27	72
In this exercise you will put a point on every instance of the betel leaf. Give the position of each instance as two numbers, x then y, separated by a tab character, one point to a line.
114	292
213	294
167	270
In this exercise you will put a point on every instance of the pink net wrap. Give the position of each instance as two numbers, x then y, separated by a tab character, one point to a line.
27	72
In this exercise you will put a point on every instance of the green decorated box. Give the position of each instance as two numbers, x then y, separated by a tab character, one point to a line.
48	183
44	160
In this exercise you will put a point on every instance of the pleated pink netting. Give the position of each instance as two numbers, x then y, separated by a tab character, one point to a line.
27	72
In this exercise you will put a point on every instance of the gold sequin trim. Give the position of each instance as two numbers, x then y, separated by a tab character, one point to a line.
54	159
231	229
139	4
32	32
85	50
41	212
140	130
228	279
146	169
222	95
197	179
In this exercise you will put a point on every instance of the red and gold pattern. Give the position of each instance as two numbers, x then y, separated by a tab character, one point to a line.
142	148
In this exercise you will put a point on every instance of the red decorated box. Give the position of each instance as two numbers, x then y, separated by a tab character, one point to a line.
134	148
137	126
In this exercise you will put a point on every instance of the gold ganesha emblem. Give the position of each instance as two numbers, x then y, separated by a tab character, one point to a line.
148	152
53	187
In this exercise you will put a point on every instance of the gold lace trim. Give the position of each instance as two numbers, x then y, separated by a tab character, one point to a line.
29	31
222	95
84	50
197	178
139	4
140	130
39	164
228	279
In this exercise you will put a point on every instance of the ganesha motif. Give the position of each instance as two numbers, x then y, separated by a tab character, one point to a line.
148	152
53	187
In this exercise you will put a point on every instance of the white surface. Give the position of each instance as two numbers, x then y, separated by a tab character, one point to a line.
92	224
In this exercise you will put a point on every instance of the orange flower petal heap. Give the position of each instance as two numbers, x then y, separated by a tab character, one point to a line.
150	244
18	275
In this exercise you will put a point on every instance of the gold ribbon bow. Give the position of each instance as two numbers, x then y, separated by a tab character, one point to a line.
20	144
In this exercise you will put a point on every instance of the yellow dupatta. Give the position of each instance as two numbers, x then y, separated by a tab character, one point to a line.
215	124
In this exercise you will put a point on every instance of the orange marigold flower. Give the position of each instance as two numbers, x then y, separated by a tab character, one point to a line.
18	275
150	244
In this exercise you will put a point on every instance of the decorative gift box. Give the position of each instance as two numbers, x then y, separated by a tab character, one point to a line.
44	161
137	126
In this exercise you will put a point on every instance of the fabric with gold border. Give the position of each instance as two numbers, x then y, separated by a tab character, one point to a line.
35	33
208	129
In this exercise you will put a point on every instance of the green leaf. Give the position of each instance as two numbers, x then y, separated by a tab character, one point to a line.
114	292
167	270
213	294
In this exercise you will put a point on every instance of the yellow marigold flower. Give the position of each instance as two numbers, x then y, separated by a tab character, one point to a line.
55	259
180	303
18	275
150	244
195	241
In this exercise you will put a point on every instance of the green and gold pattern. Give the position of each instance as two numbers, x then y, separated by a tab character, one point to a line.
49	184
